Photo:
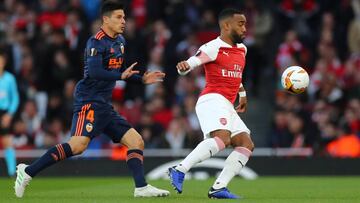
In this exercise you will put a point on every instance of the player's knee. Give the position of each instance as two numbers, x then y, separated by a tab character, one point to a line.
137	143
140	144
243	140
250	145
226	140
77	148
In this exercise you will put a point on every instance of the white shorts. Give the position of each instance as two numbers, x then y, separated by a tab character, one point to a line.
215	112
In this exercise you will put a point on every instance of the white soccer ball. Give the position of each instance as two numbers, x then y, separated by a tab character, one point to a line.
295	79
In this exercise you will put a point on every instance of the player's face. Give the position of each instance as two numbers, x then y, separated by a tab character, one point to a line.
116	21
238	29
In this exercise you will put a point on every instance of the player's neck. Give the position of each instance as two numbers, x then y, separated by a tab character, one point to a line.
109	32
227	40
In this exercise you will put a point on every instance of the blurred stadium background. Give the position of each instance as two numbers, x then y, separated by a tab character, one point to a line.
316	133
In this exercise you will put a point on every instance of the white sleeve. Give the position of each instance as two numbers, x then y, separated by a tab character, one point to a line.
206	53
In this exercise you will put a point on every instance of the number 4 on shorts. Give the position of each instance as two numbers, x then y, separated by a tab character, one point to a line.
90	116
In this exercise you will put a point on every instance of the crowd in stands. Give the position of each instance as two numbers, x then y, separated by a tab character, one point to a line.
327	44
45	39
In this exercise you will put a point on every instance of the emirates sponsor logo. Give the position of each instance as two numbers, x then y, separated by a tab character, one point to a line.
231	74
236	73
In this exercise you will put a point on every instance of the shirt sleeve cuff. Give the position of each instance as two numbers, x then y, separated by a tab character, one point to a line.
193	62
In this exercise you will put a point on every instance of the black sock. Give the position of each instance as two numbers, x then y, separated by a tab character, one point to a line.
135	163
57	153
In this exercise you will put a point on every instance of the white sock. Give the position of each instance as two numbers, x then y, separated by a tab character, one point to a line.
204	150
233	164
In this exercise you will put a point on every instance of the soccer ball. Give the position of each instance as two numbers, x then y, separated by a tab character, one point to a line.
295	79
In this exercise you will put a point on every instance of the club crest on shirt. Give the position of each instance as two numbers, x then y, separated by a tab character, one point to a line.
89	127
223	121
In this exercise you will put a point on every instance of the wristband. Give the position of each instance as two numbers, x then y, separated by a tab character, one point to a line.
242	94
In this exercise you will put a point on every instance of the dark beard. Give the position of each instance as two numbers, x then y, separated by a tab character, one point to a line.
236	39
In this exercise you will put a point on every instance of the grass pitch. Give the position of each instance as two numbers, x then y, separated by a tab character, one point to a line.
264	189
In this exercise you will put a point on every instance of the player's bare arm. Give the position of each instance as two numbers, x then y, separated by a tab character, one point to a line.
241	108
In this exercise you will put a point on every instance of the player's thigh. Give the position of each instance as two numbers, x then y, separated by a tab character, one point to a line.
213	115
89	120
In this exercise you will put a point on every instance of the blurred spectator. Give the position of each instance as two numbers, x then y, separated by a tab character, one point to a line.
23	19
297	14
151	131
61	70
176	135
50	13
159	36
259	25
138	8
296	129
187	47
160	112
55	106
329	90
155	64
291	52
346	146
279	135
21	139
354	29
31	119
131	110
68	100
4	24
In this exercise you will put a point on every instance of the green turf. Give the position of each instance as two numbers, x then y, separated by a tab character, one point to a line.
264	189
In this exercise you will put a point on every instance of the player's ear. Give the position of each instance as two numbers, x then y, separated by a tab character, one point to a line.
225	25
105	19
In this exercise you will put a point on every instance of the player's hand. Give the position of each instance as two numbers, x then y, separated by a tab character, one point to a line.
183	66
6	120
129	72
153	77
241	108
